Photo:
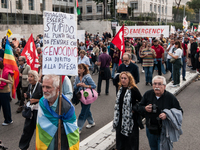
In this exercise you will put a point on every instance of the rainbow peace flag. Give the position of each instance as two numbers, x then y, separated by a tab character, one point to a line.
10	63
47	126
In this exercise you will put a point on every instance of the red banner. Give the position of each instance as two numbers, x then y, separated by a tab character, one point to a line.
118	41
31	54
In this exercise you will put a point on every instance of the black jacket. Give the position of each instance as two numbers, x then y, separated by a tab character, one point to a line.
37	93
193	48
133	69
166	101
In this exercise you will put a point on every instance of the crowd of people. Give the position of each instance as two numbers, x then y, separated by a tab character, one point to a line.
100	56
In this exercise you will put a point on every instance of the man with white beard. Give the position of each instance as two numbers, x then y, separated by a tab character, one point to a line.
47	121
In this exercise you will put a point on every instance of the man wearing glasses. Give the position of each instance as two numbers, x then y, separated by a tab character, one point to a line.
128	66
153	105
24	68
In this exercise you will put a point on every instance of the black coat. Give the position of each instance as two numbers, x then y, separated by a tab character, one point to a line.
133	69
166	101
193	49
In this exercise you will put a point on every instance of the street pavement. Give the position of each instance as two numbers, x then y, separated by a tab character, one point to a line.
102	110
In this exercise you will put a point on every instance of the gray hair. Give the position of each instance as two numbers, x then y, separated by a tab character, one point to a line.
35	74
159	77
55	78
129	55
23	58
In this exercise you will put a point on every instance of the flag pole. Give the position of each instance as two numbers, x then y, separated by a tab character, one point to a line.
60	107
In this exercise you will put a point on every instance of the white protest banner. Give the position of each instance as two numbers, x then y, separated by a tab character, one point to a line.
144	31
60	44
172	31
81	35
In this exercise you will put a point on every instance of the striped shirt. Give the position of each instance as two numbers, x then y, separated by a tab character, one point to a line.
148	60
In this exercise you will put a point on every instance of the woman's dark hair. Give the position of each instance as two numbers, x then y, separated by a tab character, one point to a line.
179	44
1	65
85	67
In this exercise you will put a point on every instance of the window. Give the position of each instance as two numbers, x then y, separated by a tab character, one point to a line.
89	9
72	10
162	10
108	8
4	3
30	4
155	8
150	7
79	1
165	9
99	8
71	1
65	0
42	5
19	4
134	5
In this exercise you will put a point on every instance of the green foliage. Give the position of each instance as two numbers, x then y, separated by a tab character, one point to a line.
194	4
188	12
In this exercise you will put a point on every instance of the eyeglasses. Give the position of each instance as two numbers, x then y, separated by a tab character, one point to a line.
125	60
20	60
159	84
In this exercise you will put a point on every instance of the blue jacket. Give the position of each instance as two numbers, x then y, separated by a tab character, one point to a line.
87	79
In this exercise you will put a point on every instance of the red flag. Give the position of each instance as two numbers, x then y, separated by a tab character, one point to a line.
31	54
118	41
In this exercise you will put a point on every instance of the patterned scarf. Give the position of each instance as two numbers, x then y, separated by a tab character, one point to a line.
127	114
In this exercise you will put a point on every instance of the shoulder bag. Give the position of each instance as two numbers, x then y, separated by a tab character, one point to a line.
27	112
88	95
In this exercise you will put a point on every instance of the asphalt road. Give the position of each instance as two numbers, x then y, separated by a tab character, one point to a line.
102	110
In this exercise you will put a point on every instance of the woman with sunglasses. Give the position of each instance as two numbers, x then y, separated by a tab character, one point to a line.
127	120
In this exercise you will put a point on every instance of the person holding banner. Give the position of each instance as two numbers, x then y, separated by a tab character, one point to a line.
48	118
84	80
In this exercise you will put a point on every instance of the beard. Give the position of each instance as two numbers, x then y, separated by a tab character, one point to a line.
50	95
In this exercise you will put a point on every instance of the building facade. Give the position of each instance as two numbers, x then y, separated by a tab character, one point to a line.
23	11
161	8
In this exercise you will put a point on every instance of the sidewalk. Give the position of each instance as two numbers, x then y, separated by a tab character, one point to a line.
104	138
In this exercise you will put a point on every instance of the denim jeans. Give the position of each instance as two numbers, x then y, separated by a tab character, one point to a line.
115	65
148	73
85	115
154	140
183	67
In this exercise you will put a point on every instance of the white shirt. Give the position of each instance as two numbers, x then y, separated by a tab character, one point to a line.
178	52
170	51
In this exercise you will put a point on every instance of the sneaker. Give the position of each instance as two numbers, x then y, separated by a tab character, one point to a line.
184	79
142	71
6	124
146	83
98	94
90	125
173	86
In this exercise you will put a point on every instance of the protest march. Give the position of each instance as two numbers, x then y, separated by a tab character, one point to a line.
55	79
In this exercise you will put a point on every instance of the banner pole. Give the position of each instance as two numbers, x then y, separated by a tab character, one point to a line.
60	107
